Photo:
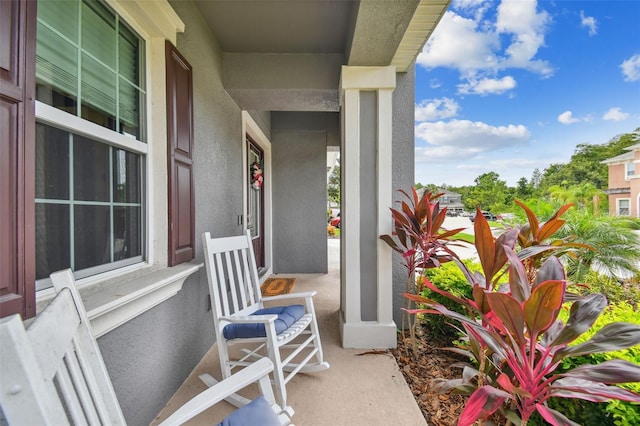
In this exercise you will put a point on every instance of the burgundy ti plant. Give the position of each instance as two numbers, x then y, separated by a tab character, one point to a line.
513	332
419	237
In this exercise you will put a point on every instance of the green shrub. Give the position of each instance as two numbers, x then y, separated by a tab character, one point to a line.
614	412
447	277
616	292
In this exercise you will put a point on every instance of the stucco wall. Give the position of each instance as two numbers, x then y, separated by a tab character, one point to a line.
299	197
149	357
403	168
617	176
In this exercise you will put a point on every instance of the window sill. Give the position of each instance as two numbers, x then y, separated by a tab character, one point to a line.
113	302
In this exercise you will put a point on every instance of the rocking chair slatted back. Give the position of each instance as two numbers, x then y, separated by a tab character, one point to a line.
63	376
235	277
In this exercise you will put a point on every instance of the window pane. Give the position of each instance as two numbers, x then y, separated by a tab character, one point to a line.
52	163
126	177
62	15
98	93
53	251
56	70
99	33
107	57
91	236
127	232
129	55
90	170
130	101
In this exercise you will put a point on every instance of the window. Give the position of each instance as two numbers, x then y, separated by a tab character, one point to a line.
90	134
623	206
630	169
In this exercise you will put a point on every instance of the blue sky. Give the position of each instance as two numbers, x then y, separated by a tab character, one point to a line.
513	85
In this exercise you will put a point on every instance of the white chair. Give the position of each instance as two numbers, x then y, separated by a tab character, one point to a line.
52	373
287	334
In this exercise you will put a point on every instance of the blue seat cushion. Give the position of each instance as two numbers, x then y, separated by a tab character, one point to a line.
287	315
256	413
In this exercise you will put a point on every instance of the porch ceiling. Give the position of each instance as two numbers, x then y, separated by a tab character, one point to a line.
285	55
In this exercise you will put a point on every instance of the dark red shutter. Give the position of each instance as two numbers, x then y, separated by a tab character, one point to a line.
17	157
180	152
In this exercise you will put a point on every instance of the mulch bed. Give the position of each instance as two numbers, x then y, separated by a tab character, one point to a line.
423	370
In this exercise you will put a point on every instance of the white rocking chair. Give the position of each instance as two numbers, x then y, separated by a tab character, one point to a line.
52	373
288	334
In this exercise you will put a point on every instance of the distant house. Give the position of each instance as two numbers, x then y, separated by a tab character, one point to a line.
451	200
624	183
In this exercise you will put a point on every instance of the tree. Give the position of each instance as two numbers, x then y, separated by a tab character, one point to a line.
616	246
586	165
524	189
489	193
536	178
333	187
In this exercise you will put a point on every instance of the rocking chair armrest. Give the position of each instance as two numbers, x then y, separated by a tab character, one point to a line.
269	318
220	391
300	295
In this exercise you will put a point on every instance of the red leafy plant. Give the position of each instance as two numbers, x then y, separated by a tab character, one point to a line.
419	237
513	333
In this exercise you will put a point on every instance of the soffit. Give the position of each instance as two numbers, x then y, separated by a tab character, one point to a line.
279	26
329	33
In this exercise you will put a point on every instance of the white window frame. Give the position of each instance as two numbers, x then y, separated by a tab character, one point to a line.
74	124
628	200
115	297
629	173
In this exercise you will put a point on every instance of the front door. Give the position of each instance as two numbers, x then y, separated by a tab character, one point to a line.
255	199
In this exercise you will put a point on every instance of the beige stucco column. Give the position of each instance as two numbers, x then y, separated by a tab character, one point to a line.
366	293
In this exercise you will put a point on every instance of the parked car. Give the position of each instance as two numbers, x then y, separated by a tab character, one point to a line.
487	215
335	221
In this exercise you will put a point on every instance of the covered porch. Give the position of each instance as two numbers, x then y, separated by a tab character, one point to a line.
360	388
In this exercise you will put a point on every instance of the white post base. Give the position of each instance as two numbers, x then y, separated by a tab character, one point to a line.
368	335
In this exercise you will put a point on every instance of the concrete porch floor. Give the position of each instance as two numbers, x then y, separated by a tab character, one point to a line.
356	390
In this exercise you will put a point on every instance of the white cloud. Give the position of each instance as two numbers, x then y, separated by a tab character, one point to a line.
615	114
567	118
470	42
435	109
589	22
527	28
488	86
464	139
458	43
631	68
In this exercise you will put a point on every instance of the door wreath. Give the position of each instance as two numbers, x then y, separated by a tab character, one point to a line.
257	178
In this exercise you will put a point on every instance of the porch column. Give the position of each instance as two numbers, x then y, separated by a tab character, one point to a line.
366	264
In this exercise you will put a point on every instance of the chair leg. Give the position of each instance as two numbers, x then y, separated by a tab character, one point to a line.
278	369
223	354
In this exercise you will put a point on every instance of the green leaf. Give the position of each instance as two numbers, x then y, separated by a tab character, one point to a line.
541	310
611	337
